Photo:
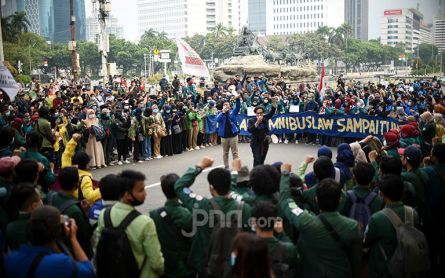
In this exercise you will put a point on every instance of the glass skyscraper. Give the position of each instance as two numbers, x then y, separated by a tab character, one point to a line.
257	16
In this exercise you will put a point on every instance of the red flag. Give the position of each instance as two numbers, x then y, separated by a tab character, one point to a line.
320	86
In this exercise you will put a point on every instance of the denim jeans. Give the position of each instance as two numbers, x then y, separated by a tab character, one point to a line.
146	149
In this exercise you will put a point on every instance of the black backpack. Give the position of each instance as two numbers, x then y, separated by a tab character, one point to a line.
64	206
223	233
279	268
114	256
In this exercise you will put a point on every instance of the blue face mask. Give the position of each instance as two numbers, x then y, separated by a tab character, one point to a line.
167	111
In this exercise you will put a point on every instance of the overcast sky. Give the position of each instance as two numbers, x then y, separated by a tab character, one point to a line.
126	12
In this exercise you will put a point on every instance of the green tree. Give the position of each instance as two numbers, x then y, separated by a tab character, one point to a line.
220	31
427	52
13	25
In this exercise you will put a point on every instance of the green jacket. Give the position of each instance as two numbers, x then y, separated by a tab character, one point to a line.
47	178
420	180
6	151
142	236
310	203
199	205
174	246
290	255
16	231
434	196
191	116
321	255
362	192
380	234
43	127
84	230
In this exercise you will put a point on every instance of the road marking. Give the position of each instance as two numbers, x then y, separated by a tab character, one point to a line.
206	170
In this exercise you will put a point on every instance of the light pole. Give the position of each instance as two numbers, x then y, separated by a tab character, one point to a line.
145	65
29	56
104	13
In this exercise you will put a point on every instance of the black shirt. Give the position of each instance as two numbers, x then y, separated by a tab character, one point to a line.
228	127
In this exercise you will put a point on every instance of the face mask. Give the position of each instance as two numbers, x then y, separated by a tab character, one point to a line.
410	103
8	113
266	100
155	110
126	107
91	116
254	103
167	111
232	259
56	114
135	202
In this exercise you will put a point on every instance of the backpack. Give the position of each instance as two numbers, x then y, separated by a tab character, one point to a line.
280	269
64	206
360	210
410	257
221	239
114	256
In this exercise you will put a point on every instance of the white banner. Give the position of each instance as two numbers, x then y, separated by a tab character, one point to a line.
191	62
7	82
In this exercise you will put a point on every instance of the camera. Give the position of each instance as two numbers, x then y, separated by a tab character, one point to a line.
64	220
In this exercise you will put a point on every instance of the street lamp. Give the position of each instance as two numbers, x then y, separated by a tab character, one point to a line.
104	13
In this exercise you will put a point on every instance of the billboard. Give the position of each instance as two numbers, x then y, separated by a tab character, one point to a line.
393	12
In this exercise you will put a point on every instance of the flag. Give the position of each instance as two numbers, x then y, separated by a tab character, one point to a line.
320	86
190	61
7	82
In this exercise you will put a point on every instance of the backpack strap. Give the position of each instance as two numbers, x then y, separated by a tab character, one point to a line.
67	204
352	195
337	176
51	197
169	221
34	265
392	217
128	219
332	232
214	204
371	196
107	218
409	215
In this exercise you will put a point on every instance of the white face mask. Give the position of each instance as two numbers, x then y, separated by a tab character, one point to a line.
91	116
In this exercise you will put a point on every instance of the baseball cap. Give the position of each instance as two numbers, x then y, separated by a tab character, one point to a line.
243	174
8	163
413	155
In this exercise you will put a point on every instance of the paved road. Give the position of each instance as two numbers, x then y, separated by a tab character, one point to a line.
178	164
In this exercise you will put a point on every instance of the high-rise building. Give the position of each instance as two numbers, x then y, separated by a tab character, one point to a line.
426	34
287	17
225	12
182	18
257	16
439	32
62	20
401	27
356	15
113	27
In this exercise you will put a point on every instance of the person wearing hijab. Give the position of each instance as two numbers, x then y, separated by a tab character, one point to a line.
94	147
345	161
392	142
428	131
135	133
409	134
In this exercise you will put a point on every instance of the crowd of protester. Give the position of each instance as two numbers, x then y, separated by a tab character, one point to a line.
375	210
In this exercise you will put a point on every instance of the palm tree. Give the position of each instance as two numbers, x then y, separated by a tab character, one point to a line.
149	34
326	32
230	31
219	31
14	25
20	22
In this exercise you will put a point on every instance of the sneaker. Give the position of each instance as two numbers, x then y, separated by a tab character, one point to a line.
189	150
286	141
158	157
147	158
296	142
140	161
104	166
202	147
120	163
126	161
197	148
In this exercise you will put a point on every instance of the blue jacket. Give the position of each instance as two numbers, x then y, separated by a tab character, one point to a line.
17	264
221	119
